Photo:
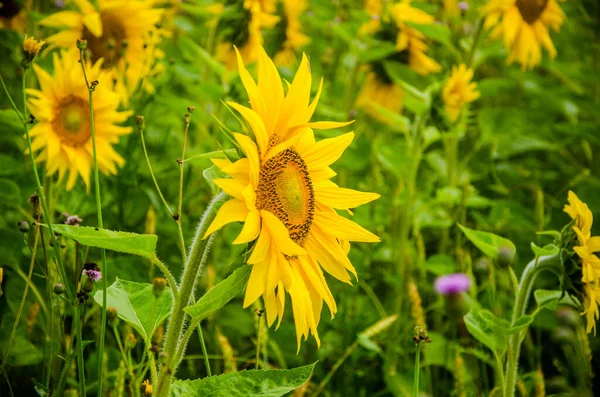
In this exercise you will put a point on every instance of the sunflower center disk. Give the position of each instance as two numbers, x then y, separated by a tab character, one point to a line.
531	9
72	124
285	190
111	45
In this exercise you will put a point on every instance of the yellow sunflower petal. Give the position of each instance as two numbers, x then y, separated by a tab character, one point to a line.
343	228
280	235
251	228
231	211
327	151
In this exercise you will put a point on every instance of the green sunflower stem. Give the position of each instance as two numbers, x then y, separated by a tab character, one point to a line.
533	268
197	258
91	87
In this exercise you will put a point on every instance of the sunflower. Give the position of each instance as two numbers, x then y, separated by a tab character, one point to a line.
122	32
374	9
378	88
590	263
524	25
294	39
411	40
62	134
242	23
13	15
282	192
459	90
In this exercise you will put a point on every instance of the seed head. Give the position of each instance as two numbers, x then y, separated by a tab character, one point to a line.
58	289
23	226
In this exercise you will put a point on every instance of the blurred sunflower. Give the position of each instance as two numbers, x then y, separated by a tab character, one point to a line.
62	133
282	192
13	15
122	32
590	262
378	87
524	24
459	90
292	37
451	8
241	23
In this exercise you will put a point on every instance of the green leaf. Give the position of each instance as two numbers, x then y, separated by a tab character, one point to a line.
547	299
484	330
219	295
549	249
368	343
259	383
137	305
213	173
380	51
128	243
437	32
522	322
489	243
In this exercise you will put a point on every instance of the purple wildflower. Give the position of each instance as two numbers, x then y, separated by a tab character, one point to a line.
92	275
73	220
463	5
452	284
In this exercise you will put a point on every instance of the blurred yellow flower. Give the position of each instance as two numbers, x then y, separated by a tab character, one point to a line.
245	30
411	40
282	192
62	134
13	15
31	47
294	38
374	8
451	8
590	263
377	90
524	25
459	90
122	32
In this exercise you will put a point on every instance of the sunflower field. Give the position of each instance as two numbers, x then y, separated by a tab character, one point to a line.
299	198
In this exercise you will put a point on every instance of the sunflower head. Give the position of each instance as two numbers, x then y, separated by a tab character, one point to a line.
241	25
458	91
586	248
282	192
62	135
123	33
524	27
291	37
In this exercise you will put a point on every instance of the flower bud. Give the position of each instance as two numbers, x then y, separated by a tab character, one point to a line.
34	200
130	341
58	289
162	358
81	44
139	120
420	336
91	274
73	220
147	388
191	109
111	315
30	49
23	226
158	286
481	268
506	255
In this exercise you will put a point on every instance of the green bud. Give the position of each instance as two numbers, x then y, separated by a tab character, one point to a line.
58	289
506	256
23	226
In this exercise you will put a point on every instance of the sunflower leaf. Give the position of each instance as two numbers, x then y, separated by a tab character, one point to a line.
263	383
488	243
125	242
219	295
137	305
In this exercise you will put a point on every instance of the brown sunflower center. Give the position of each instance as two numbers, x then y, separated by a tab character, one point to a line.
285	190
72	124
113	42
531	9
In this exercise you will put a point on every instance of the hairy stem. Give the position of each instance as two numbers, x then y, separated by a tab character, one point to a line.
194	265
78	318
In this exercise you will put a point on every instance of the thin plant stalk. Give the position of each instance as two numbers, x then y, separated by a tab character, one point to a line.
78	318
23	298
204	351
349	350
188	119
40	189
193	267
91	87
417	370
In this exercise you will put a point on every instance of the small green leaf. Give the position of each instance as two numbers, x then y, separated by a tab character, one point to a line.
380	51
368	343
137	305
549	249
259	383
213	173
128	243
521	323
437	32
489	243
547	299
220	294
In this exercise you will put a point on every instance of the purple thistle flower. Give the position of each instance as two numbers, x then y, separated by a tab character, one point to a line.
92	275
452	284
463	5
73	220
